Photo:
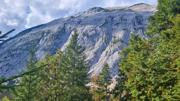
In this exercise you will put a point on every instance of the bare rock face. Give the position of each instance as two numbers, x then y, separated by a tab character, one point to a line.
103	32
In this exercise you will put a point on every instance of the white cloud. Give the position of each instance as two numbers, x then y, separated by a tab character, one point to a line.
12	14
21	14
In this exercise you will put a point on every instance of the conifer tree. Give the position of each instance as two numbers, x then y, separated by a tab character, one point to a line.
50	85
26	88
74	72
151	65
103	81
119	91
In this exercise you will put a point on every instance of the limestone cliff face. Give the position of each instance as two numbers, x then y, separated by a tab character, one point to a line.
103	32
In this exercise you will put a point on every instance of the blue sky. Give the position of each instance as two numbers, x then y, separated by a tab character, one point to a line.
22	14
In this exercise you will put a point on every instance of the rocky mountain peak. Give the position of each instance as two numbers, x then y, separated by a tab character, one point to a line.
97	9
103	32
142	7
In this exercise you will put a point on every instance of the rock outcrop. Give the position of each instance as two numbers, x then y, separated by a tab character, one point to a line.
103	32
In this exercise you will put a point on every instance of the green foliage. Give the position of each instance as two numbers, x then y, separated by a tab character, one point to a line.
119	92
150	68
74	73
3	85
167	9
61	77
102	92
151	65
5	98
26	89
49	86
41	82
104	77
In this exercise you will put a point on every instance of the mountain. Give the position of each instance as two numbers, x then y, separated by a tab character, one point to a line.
103	32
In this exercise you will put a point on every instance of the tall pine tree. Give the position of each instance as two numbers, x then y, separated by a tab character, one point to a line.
50	85
102	92
25	89
74	72
151	65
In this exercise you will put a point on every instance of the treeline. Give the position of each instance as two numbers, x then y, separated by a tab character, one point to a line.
149	68
61	77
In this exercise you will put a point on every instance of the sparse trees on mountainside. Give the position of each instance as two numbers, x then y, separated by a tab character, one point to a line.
152	66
